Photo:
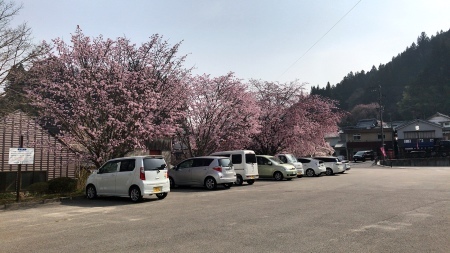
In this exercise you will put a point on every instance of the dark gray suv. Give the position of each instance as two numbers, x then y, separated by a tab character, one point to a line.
363	156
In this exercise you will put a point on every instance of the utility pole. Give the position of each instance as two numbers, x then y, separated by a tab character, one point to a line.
381	119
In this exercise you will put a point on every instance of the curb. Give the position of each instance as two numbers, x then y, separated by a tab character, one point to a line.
33	204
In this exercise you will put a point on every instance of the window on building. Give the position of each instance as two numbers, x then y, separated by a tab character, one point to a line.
420	135
379	136
357	137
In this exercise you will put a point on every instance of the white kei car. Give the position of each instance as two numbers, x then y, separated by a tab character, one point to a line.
131	177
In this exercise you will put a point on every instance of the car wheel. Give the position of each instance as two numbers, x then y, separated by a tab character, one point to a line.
278	176
444	154
210	183
354	160
135	194
91	192
172	182
250	182
310	173
162	195
364	159
239	180
329	172
227	186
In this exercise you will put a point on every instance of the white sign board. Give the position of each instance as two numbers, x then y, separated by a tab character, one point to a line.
21	156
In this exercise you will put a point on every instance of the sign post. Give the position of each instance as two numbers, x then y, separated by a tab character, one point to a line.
20	156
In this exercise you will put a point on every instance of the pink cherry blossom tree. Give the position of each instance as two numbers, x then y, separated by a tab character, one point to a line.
361	111
276	120
319	116
292	121
109	97
221	115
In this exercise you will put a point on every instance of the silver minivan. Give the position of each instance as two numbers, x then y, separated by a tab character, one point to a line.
133	177
207	171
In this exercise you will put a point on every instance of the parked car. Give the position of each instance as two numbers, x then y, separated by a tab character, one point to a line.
332	164
363	156
312	167
244	163
207	171
346	164
272	167
133	177
290	159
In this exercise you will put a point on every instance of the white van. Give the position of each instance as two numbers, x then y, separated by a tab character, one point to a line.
244	163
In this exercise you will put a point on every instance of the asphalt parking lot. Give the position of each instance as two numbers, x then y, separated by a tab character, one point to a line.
368	209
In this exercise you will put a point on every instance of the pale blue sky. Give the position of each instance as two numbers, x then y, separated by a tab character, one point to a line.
257	39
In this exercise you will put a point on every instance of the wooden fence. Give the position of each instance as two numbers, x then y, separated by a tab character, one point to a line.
52	159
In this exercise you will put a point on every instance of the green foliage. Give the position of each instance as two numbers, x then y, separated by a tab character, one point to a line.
14	97
415	84
38	188
62	185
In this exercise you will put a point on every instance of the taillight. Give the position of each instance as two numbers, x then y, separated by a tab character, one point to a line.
219	169
142	174
165	175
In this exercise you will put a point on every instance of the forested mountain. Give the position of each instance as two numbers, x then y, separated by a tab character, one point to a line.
415	84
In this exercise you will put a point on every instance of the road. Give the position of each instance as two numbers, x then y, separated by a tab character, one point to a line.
368	209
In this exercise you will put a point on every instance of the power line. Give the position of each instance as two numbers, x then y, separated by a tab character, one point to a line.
319	39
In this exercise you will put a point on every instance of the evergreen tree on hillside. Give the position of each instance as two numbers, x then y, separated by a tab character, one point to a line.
14	96
414	84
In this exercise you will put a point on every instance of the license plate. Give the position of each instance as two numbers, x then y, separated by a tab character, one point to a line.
251	177
157	189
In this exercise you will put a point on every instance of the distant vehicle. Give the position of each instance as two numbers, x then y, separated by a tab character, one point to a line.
272	167
417	154
207	171
291	159
312	167
244	163
133	177
363	156
442	148
332	164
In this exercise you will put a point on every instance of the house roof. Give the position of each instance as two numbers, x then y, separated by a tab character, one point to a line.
418	121
367	123
438	114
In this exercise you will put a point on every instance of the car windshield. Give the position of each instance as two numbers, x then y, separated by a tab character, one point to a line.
274	159
291	158
360	153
